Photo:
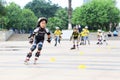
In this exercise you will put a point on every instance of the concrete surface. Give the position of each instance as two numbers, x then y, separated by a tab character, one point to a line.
90	62
5	35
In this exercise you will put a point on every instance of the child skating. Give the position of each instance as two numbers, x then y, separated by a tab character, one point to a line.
86	37
100	37
104	36
82	35
57	35
75	38
37	39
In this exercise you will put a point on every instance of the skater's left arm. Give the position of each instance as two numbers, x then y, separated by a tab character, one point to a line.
48	35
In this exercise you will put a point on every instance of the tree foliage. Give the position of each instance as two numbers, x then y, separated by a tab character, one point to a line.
3	19
29	19
2	9
26	18
60	19
14	16
42	8
20	18
97	14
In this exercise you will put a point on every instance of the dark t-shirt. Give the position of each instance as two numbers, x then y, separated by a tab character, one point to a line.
40	34
75	35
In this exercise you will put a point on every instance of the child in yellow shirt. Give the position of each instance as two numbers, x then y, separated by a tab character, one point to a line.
57	35
82	35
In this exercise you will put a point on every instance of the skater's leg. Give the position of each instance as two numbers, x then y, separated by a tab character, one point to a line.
29	55
59	39
88	41
37	56
56	41
87	38
40	44
84	40
105	42
77	43
73	45
99	41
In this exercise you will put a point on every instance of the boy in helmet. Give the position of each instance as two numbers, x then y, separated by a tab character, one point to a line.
37	39
57	35
104	36
75	38
99	36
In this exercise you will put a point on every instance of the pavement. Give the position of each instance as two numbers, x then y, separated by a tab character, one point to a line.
89	62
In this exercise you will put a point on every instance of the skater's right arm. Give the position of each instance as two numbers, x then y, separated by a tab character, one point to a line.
33	33
31	37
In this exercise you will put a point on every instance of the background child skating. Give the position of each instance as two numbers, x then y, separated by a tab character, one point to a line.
86	37
75	38
101	37
82	34
37	39
57	34
104	38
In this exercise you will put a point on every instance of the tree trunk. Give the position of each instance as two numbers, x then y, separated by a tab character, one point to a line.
69	13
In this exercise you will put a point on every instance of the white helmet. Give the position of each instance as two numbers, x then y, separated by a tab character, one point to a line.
41	19
86	27
57	28
99	30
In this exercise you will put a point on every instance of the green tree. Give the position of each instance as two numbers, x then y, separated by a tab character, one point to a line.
3	22
2	8
28	19
14	15
3	18
42	8
17	18
60	19
97	14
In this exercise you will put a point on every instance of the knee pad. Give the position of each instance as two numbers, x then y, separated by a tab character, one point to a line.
40	46
37	54
33	48
29	55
